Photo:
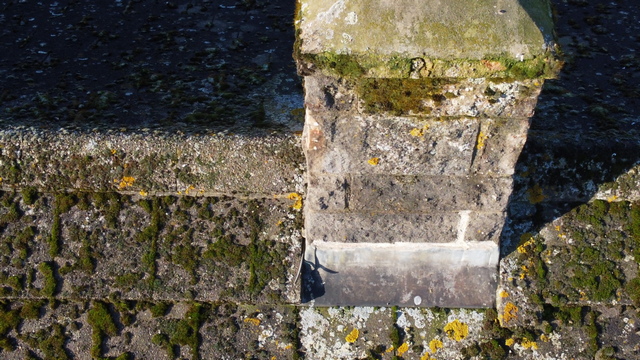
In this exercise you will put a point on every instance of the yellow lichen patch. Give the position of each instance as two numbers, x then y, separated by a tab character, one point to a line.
390	349
143	193
544	338
113	151
353	336
482	137
456	330
427	356
374	161
612	198
528	240
434	345
510	312
402	349
125	182
297	205
504	294
509	342
535	194
253	321
528	344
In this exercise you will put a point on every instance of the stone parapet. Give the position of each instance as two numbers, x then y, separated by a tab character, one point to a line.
416	114
211	164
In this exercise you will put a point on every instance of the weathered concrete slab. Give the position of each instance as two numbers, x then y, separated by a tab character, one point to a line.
403	274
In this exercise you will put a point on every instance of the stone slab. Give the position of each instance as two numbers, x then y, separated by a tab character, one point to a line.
409	227
439	29
423	275
398	193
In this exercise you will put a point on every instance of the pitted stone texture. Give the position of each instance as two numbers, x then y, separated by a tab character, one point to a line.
363	227
485	226
411	146
157	163
406	193
345	144
499	145
442	275
440	29
395	227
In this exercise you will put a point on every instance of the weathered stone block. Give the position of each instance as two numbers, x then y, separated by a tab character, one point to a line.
402	146
363	227
402	274
406	193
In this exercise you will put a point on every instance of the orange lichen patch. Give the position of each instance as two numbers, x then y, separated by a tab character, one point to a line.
528	344
504	294
434	345
297	205
352	336
482	137
252	321
374	161
510	312
402	349
125	182
535	194
493	65
509	342
456	330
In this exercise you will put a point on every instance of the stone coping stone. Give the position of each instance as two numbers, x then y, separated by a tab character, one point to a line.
424	275
150	163
356	37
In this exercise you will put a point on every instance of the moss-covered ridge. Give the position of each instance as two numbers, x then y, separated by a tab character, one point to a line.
545	66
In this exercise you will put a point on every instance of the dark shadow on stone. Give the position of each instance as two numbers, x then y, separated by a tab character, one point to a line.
104	66
312	283
586	130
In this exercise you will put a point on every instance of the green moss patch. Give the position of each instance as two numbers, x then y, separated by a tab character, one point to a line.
402	96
